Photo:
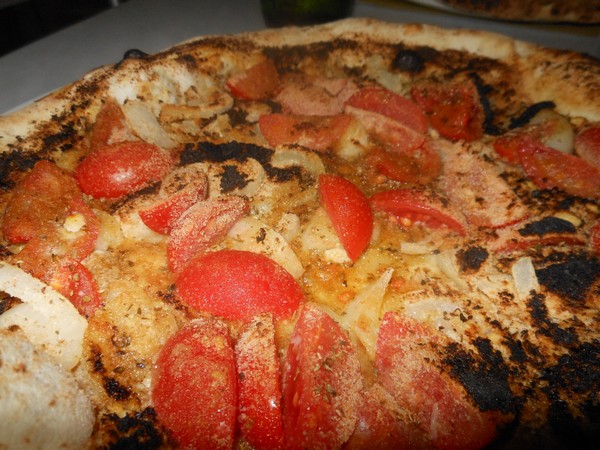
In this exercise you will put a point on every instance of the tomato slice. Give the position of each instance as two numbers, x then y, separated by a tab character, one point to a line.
349	212
394	135
258	82
319	133
392	105
76	282
549	168
441	410
420	166
587	145
191	188
453	109
38	201
315	96
321	383
379	426
109	126
416	206
200	226
259	386
238	285
194	389
123	168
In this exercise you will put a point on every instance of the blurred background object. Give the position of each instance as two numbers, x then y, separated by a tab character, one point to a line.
279	13
24	21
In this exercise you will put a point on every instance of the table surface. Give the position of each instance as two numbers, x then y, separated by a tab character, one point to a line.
153	25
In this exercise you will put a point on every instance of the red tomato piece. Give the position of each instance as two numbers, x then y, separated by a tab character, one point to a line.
379	426
349	212
122	168
109	126
38	201
202	225
319	133
194	389
162	216
73	280
587	145
420	166
438	404
239	285
315	97
416	206
549	168
392	105
454	110
85	241
394	135
259	386
595	237
259	82
322	383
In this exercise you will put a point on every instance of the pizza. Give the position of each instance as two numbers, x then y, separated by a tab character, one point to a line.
573	11
352	235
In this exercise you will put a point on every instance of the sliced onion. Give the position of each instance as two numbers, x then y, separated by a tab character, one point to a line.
48	319
561	135
524	277
142	121
253	235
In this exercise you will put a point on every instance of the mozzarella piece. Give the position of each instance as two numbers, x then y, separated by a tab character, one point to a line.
561	135
319	236
48	319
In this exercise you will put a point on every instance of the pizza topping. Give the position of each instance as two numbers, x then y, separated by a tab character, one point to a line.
411	206
587	145
317	97
238	284
118	169
321	383
474	186
349	211
442	411
109	126
315	132
595	237
142	121
392	105
200	226
258	82
181	189
75	281
555	130
259	385
420	166
194	388
453	109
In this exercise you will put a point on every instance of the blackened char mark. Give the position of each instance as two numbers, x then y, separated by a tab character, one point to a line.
116	390
236	151
545	326
12	163
575	380
139	430
413	60
471	259
483	90
525	117
571	278
484	376
232	179
547	225
134	53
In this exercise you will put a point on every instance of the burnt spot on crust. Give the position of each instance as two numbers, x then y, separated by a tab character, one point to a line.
134	53
412	60
134	430
544	324
484	376
529	113
237	151
15	162
232	179
547	225
483	90
576	375
572	277
63	137
471	259
116	390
